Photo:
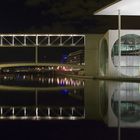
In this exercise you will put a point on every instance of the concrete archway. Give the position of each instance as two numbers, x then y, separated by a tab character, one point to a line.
104	57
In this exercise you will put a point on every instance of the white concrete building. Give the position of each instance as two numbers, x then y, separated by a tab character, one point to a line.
102	55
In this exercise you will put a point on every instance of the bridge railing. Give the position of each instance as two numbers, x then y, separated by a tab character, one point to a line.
70	113
44	40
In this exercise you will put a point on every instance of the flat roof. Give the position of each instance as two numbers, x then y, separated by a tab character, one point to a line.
126	7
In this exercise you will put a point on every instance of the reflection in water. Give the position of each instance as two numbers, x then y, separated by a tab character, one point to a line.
103	99
99	98
41	97
130	102
38	97
39	80
91	99
115	103
59	104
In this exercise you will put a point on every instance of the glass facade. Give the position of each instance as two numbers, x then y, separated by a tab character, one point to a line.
76	57
129	60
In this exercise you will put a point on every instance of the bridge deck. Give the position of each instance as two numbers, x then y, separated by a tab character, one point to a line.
20	88
39	64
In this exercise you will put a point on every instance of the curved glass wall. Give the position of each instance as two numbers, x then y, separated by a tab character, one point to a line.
128	62
103	57
128	98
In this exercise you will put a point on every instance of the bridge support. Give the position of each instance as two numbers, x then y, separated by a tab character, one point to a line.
36	54
92	54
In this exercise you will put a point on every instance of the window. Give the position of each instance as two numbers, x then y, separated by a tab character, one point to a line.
128	63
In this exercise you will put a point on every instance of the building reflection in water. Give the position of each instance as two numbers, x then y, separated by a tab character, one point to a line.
42	80
104	100
99	100
93	99
129	105
58	98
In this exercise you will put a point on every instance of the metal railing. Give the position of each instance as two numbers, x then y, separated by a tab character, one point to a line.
41	113
43	40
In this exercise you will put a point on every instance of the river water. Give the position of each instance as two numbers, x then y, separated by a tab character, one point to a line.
39	97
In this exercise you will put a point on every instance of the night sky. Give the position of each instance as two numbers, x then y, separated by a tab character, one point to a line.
53	16
56	16
27	54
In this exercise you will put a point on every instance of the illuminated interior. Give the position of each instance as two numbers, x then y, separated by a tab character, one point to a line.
130	55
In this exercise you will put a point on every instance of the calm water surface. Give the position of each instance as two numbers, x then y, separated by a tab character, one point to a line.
42	97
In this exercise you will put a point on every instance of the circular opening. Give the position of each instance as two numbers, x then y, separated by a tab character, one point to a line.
127	98
126	59
103	57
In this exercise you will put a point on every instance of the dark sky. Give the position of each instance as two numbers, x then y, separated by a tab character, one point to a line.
27	54
54	16
58	16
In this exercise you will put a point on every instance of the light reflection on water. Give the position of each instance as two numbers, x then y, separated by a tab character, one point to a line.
41	97
40	80
97	100
104	98
129	103
37	97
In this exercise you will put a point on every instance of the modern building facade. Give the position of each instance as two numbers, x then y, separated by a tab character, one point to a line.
106	60
76	57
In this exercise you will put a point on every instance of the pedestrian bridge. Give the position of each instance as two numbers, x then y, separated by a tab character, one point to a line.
9	65
42	40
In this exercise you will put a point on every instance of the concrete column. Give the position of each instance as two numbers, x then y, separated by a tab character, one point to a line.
36	54
92	54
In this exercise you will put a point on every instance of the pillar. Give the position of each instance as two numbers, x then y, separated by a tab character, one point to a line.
92	54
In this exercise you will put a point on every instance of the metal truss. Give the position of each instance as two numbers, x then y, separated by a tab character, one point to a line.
43	40
40	113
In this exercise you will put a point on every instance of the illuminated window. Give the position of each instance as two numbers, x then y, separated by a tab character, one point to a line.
129	61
